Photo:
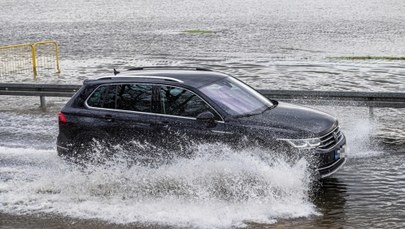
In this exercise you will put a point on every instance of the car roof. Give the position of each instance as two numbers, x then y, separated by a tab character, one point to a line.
195	78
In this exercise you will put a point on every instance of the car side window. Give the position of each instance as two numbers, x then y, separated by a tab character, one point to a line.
103	97
131	97
181	102
134	97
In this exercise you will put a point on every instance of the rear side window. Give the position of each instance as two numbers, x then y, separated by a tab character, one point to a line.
131	97
103	97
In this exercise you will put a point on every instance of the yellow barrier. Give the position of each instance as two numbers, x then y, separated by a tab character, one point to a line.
30	57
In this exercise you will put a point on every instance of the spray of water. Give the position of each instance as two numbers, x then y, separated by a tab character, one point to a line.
360	140
217	187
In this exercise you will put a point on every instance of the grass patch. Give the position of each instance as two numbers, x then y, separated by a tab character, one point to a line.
369	58
197	31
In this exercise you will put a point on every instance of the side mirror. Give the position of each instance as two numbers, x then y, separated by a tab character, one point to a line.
207	118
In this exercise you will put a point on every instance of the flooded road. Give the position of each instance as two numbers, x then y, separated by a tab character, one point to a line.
294	45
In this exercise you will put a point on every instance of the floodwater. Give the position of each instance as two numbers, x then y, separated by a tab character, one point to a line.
268	44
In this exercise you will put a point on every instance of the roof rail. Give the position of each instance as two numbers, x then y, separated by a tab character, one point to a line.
157	77
128	77
100	78
169	67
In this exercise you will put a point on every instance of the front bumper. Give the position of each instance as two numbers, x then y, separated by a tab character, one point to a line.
332	160
331	169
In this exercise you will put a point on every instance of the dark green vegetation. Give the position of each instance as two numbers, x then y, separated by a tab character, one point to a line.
197	31
370	58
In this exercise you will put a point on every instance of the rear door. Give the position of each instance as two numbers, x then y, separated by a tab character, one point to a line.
123	112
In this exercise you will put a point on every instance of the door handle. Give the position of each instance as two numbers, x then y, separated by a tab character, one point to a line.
141	125
109	118
164	124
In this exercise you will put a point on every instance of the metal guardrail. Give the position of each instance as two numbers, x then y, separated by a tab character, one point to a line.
365	99
41	90
340	98
368	99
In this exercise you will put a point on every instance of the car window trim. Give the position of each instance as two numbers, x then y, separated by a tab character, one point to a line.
152	113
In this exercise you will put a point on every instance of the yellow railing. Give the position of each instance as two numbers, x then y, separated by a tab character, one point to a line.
29	57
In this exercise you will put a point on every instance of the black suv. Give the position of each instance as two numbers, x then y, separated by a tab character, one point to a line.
167	106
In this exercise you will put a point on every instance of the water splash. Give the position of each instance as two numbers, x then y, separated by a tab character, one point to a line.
217	187
360	136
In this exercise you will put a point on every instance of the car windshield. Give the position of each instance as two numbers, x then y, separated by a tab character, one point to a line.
236	98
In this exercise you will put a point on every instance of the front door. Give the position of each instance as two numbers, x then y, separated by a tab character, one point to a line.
177	124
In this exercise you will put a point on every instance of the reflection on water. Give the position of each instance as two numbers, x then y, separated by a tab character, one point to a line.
330	197
378	193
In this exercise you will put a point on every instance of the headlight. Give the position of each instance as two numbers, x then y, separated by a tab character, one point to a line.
309	143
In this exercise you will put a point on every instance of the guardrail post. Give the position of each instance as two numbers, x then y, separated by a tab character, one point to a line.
371	112
43	102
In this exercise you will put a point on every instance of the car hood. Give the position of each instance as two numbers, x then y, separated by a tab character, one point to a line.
292	121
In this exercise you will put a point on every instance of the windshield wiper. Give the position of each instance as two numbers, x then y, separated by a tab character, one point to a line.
256	113
246	115
268	108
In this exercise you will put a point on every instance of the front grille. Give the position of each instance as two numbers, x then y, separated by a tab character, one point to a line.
331	139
